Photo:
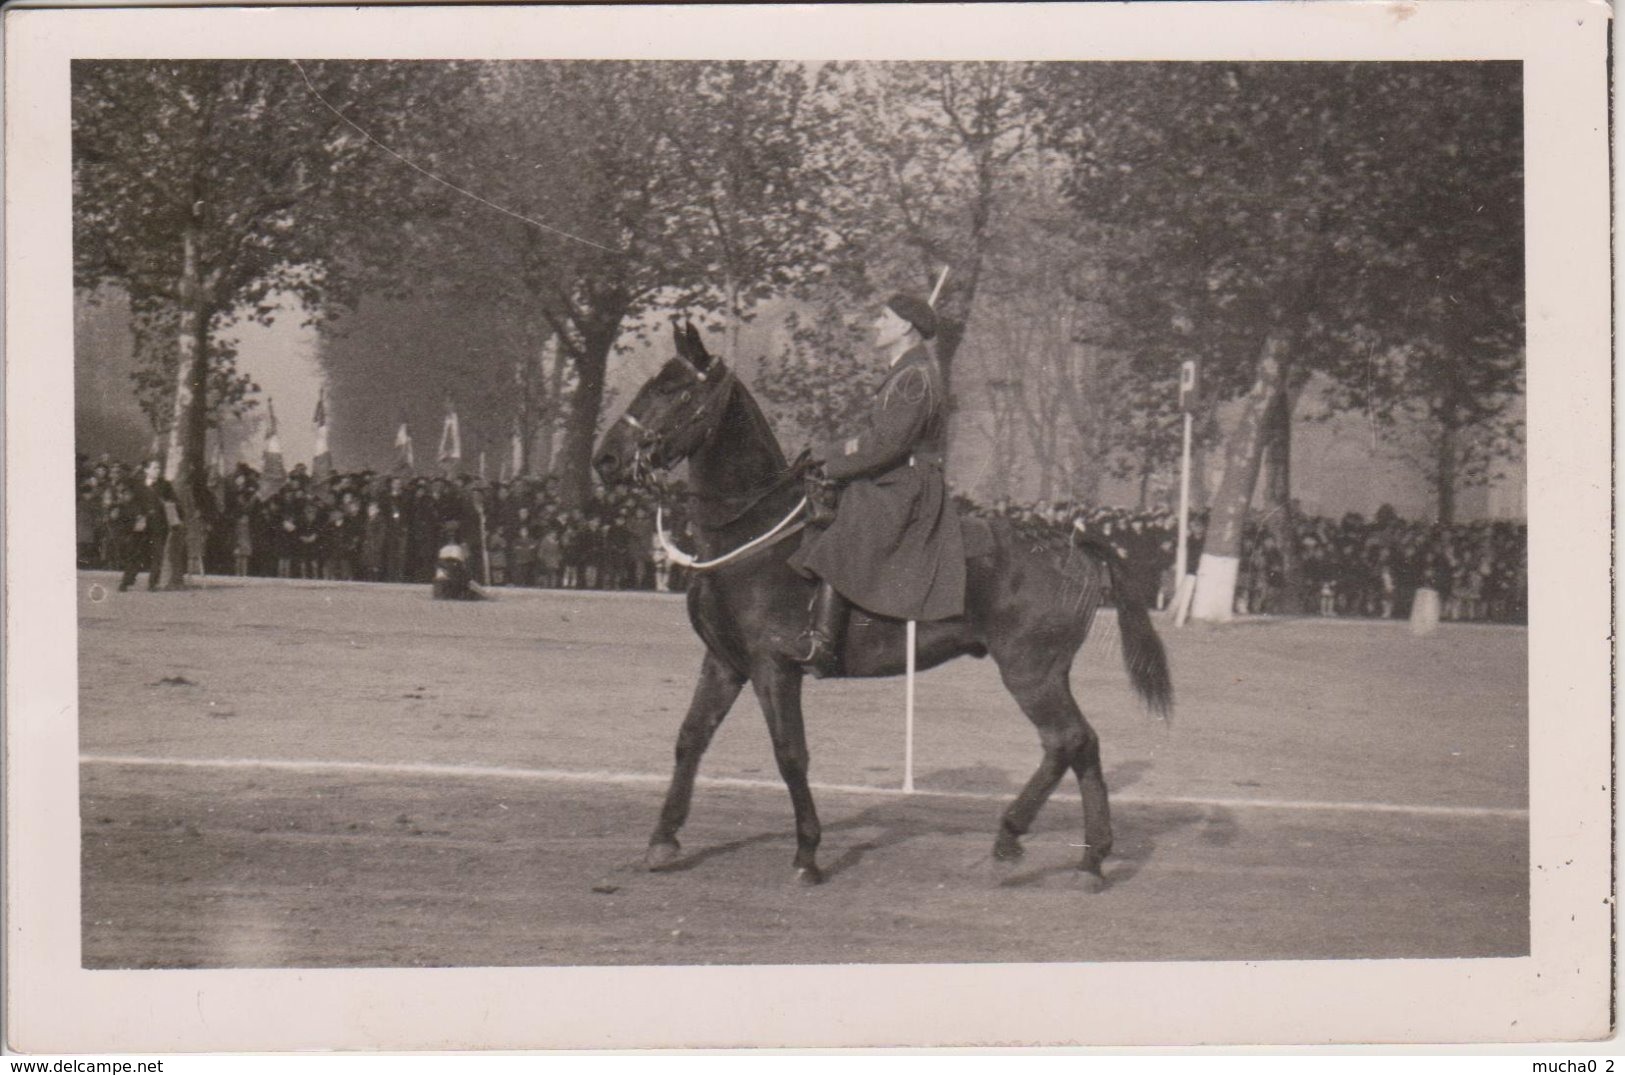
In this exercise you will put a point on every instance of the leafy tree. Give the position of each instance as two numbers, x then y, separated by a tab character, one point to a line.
1445	382
589	198
640	195
823	377
927	156
155	326
205	189
1259	206
742	134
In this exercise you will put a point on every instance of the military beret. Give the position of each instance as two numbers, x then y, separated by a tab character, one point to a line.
916	311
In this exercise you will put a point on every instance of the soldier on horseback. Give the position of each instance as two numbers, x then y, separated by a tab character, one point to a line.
894	548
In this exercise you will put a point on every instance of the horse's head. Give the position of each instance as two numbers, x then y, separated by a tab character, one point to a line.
674	413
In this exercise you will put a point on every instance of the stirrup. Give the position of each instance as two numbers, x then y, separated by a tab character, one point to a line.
822	659
813	651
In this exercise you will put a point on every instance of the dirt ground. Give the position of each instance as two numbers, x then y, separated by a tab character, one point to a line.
302	774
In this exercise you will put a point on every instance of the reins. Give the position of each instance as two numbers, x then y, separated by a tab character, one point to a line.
781	530
706	414
751	497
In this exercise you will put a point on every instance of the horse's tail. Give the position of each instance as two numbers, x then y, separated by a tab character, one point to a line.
1143	656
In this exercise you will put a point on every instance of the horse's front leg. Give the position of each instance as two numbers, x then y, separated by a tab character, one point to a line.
714	695
778	689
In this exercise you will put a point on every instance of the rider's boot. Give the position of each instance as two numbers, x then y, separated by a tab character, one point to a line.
819	647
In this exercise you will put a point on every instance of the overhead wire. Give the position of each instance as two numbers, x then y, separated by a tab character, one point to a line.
364	133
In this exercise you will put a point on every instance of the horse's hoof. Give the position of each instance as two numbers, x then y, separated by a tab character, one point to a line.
661	854
1092	880
809	875
1007	848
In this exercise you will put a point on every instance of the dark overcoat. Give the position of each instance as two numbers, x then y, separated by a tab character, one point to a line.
894	548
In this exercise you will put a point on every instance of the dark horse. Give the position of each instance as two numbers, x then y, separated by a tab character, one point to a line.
1029	603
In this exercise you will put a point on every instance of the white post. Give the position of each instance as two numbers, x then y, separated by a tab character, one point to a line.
1180	564
908	714
1181	557
1184	586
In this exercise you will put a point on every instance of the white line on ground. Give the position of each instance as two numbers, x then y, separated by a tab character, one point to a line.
1163	618
316	766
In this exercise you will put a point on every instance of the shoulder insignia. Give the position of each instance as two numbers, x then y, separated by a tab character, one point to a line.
912	385
850	447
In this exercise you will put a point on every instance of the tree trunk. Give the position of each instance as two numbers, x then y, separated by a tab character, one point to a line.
1221	549
581	423
1203	432
193	488
185	467
1445	466
1279	515
732	287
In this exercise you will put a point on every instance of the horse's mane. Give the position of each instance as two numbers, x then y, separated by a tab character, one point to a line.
762	427
758	420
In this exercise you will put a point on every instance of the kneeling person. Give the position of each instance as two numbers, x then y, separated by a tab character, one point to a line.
453	580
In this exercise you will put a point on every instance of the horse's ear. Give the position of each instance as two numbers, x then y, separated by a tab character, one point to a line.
696	347
678	339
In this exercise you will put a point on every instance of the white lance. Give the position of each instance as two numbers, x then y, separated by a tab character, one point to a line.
911	633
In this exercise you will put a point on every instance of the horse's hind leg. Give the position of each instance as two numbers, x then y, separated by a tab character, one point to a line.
1069	743
1041	698
714	695
1097	811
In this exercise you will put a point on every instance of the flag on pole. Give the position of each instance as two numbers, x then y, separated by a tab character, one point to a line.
321	464
405	464
272	472
451	444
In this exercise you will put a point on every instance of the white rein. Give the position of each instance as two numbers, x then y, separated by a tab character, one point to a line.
782	530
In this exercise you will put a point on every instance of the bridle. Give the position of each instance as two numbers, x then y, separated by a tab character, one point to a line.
696	428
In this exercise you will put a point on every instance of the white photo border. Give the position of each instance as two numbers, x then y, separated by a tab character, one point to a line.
1558	993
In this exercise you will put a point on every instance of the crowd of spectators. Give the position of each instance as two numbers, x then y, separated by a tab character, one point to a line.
369	527
363	526
1350	566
